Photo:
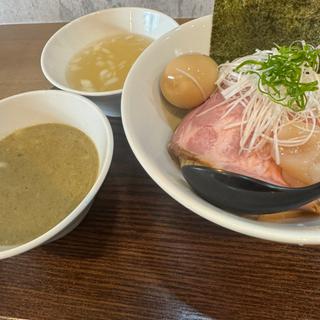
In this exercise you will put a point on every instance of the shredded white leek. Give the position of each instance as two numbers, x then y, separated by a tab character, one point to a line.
262	118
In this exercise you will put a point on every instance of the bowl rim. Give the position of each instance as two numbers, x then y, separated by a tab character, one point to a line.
92	192
262	230
77	20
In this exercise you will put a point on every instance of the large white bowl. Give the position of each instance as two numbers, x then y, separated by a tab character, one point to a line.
76	35
37	107
148	132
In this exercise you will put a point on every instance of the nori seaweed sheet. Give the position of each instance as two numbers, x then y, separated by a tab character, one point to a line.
242	26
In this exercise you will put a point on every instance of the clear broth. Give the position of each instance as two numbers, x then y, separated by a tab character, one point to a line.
104	65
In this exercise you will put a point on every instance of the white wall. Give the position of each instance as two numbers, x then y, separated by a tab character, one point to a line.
28	11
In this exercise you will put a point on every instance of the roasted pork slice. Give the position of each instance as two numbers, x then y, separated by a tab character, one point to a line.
208	135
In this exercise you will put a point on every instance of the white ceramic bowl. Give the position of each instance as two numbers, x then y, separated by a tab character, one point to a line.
85	30
37	107
147	130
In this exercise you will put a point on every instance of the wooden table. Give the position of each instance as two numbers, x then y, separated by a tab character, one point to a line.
139	254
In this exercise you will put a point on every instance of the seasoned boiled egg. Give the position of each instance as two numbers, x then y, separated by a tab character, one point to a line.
189	80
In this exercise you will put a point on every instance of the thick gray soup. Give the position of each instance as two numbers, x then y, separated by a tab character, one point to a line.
45	172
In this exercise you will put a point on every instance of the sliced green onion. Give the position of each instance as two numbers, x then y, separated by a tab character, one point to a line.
280	74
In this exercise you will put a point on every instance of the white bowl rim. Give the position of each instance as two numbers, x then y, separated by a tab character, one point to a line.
70	24
90	195
220	217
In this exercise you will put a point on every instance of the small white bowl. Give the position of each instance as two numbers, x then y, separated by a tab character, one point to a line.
148	132
56	106
76	35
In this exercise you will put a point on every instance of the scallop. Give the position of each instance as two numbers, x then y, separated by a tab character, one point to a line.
189	80
300	165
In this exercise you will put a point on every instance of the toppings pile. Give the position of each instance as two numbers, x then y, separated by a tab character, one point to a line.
276	88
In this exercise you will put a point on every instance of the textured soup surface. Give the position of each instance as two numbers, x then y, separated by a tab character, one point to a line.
45	172
104	65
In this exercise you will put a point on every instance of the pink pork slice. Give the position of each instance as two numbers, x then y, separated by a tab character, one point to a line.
203	136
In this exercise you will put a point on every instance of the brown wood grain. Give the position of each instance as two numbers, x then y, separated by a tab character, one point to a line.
139	254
